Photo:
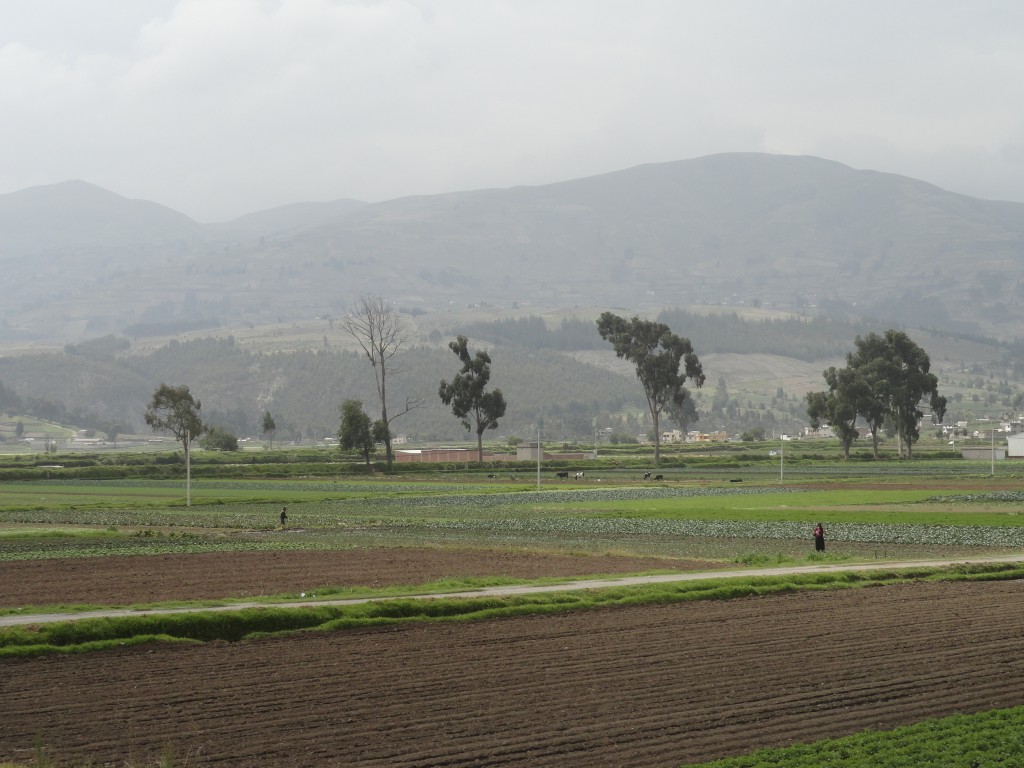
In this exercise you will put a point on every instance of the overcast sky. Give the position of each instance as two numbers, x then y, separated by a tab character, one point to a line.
221	107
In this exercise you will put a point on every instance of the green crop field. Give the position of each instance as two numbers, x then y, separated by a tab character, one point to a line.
937	516
873	513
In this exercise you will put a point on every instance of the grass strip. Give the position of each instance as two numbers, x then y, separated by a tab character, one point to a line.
88	635
992	738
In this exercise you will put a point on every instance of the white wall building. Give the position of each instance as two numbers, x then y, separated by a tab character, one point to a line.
1015	446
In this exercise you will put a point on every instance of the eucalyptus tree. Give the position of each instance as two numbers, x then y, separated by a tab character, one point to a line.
173	409
269	427
381	333
838	406
886	376
664	362
467	393
910	381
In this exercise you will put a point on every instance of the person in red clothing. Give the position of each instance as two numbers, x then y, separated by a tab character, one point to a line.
819	538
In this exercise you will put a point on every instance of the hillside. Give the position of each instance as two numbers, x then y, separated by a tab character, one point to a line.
546	368
743	230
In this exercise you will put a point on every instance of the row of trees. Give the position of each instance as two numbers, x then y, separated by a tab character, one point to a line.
664	362
886	378
174	409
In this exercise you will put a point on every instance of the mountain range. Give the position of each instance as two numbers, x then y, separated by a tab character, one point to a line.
792	233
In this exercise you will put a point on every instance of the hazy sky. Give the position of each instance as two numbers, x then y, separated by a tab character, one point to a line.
221	107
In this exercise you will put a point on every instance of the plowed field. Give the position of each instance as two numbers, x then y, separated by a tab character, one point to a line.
645	686
157	578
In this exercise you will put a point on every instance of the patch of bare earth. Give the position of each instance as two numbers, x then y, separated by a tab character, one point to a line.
642	687
136	579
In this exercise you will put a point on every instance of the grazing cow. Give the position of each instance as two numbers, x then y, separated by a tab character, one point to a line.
491	477
578	476
563	475
647	475
659	477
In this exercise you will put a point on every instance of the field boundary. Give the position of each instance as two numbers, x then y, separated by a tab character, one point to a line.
514	589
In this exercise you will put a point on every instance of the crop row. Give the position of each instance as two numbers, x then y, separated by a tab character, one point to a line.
988	738
889	533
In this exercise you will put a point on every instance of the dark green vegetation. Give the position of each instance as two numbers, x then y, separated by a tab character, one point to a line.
477	409
994	738
663	360
173	409
884	382
358	432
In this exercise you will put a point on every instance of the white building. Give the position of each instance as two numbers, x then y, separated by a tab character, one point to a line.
1015	446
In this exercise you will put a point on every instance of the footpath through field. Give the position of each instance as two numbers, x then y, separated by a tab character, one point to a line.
522	589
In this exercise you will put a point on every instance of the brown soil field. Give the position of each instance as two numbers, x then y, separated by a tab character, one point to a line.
139	579
639	686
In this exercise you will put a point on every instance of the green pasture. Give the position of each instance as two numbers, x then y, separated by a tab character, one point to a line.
105	494
745	523
845	505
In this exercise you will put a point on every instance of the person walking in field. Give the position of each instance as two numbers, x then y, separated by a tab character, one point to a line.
819	538
284	516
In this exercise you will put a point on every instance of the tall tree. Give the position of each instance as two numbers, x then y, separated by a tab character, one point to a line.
381	334
174	410
910	381
467	393
885	380
838	406
357	432
269	427
869	364
657	354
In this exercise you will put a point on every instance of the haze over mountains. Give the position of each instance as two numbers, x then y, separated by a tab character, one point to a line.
736	229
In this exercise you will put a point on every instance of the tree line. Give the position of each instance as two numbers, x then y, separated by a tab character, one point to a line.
293	395
885	379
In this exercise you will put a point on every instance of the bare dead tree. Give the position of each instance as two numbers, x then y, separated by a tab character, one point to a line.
381	333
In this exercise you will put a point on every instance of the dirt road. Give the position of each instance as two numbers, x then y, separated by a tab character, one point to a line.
45	618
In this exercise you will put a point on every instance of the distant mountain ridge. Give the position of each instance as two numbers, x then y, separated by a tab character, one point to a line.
790	232
77	214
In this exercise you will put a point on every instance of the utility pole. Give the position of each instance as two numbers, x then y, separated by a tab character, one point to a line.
540	451
188	470
993	433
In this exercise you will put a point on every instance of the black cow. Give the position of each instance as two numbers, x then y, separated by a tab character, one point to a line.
563	475
659	477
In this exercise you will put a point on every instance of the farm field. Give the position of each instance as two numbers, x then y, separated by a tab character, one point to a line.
644	686
655	685
129	580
